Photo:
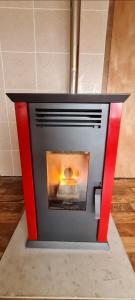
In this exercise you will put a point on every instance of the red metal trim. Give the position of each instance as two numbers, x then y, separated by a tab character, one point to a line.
26	165
109	168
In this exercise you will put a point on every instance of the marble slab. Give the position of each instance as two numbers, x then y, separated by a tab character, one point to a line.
66	274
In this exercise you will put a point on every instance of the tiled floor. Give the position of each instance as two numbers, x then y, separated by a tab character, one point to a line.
123	211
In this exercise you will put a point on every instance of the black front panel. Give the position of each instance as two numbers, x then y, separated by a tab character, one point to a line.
68	143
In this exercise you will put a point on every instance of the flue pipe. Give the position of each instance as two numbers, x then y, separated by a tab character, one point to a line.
75	8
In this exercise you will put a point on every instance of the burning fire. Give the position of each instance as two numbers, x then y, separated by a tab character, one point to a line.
66	170
69	176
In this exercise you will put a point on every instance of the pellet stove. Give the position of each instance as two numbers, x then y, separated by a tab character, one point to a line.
68	146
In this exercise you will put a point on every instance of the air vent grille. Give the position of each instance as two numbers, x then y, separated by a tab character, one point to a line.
68	117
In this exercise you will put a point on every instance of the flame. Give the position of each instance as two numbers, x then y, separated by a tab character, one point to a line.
70	181
57	162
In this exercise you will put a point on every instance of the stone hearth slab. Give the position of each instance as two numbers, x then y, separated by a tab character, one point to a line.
66	274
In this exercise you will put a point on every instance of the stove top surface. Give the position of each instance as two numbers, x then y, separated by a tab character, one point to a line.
67	98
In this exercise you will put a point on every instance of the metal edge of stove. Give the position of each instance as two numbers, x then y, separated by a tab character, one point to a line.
68	245
68	98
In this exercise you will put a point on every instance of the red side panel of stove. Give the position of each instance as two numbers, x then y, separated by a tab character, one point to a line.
26	165
109	168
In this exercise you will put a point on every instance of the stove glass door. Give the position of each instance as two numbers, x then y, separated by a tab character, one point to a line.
67	175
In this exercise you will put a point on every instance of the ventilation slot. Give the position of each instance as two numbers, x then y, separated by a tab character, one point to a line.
68	117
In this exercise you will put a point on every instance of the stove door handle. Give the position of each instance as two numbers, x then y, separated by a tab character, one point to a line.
98	192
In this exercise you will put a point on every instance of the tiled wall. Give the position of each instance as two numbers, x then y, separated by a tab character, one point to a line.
92	45
34	56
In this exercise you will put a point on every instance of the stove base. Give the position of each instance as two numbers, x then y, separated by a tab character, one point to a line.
67	245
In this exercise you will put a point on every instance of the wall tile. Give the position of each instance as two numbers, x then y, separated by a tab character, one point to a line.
19	70
3	110
14	136
90	73
53	4
16	29
53	72
95	4
16	162
10	110
17	3
1	76
93	32
56	39
6	163
4	137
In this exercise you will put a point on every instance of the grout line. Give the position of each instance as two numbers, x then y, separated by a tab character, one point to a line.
33	52
9	150
35	8
48	52
33	91
8	90
18	51
15	7
92	53
10	141
4	122
52	9
34	32
94	10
